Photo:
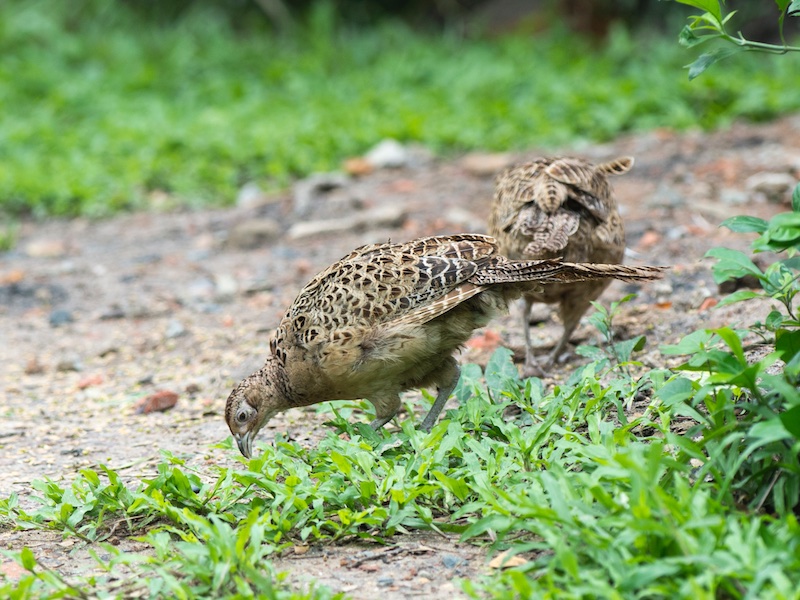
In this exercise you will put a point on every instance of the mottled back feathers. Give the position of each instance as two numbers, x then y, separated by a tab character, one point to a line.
541	206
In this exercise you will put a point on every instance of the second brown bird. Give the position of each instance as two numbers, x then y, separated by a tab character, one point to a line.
559	208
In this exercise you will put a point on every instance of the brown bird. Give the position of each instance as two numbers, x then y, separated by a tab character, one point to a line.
559	208
387	318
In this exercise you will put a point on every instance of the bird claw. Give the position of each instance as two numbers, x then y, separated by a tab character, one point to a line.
532	368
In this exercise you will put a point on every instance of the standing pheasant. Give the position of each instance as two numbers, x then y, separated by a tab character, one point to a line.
387	318
559	208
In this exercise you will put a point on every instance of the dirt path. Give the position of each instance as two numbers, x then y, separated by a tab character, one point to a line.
96	316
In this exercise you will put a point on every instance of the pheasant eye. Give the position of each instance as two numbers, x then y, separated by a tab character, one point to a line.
242	415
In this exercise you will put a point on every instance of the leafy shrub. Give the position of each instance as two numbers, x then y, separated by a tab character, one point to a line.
713	25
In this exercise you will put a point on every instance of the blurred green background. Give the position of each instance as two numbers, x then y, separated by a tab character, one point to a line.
105	104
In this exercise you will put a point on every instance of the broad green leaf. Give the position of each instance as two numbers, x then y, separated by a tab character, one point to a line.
688	38
796	192
738	296
27	559
734	342
784	227
745	224
492	522
500	370
690	344
710	6
791	420
625	349
768	431
456	486
470	378
678	390
342	463
705	60
782	4
774	320
590	352
788	343
728	17
731	264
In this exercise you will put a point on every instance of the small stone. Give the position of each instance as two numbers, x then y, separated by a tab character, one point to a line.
90	381
675	233
486	164
775	187
666	196
60	317
707	304
504	561
69	364
175	329
46	249
662	290
733	197
200	288
253	233
157	402
451	561
308	191
697	297
150	258
250	196
385	216
388	153
114	311
192	388
649	239
33	366
357	166
385	582
11	277
225	286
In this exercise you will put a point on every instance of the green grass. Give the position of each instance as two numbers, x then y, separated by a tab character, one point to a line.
101	108
600	505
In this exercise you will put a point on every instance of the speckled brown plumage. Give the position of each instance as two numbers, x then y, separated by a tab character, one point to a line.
559	207
387	318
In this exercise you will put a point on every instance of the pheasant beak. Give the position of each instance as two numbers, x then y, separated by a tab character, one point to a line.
245	443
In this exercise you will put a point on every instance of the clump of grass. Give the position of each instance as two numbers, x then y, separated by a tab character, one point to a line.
108	109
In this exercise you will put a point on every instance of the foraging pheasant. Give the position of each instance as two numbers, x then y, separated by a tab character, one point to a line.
559	208
387	318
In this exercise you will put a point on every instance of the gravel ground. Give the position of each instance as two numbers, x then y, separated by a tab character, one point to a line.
97	316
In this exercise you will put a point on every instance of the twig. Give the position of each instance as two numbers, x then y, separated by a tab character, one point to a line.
768	490
372	555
